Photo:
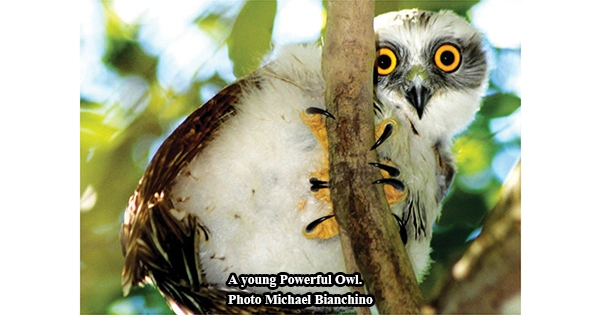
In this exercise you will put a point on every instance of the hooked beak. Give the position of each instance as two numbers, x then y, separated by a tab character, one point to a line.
418	94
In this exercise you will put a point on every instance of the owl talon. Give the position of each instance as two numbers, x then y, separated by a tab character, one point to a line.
315	223
317	124
387	132
317	184
403	233
394	189
322	228
397	184
316	110
391	170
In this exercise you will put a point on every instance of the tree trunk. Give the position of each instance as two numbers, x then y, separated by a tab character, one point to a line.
369	234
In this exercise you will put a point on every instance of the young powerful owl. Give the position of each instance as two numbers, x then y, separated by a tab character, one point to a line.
240	187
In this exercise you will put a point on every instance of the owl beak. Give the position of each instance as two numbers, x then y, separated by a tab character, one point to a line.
418	95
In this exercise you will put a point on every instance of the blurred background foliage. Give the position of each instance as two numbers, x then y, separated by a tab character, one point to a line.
145	66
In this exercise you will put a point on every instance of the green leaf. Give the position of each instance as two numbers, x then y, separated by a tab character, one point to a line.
214	25
94	132
209	22
473	154
250	37
123	51
128	57
499	105
463	209
85	104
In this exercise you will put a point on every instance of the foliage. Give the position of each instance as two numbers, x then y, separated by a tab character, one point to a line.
136	108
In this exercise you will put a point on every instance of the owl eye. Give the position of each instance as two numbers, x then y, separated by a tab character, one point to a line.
386	61
447	57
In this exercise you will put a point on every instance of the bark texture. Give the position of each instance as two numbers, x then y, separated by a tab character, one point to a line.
368	232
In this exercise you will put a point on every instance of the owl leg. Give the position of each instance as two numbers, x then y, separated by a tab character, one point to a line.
324	227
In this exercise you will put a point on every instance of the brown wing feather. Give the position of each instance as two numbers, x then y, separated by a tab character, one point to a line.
160	243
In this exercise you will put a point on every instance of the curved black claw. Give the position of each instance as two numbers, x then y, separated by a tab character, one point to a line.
399	185
403	233
392	171
317	184
387	132
310	227
316	110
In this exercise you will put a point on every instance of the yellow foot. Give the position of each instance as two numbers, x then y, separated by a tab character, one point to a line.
323	228
394	196
394	189
314	119
318	191
383	131
327	226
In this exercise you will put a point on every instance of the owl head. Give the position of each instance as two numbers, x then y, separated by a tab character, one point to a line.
430	69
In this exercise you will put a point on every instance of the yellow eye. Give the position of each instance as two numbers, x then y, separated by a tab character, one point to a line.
386	61
447	58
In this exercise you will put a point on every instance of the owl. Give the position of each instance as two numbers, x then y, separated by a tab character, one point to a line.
241	186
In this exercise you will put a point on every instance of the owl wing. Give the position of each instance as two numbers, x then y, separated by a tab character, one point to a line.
160	243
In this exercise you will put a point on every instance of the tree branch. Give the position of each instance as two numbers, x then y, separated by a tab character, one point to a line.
487	279
369	234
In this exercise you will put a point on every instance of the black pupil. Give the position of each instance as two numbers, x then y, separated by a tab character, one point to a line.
384	62
447	58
